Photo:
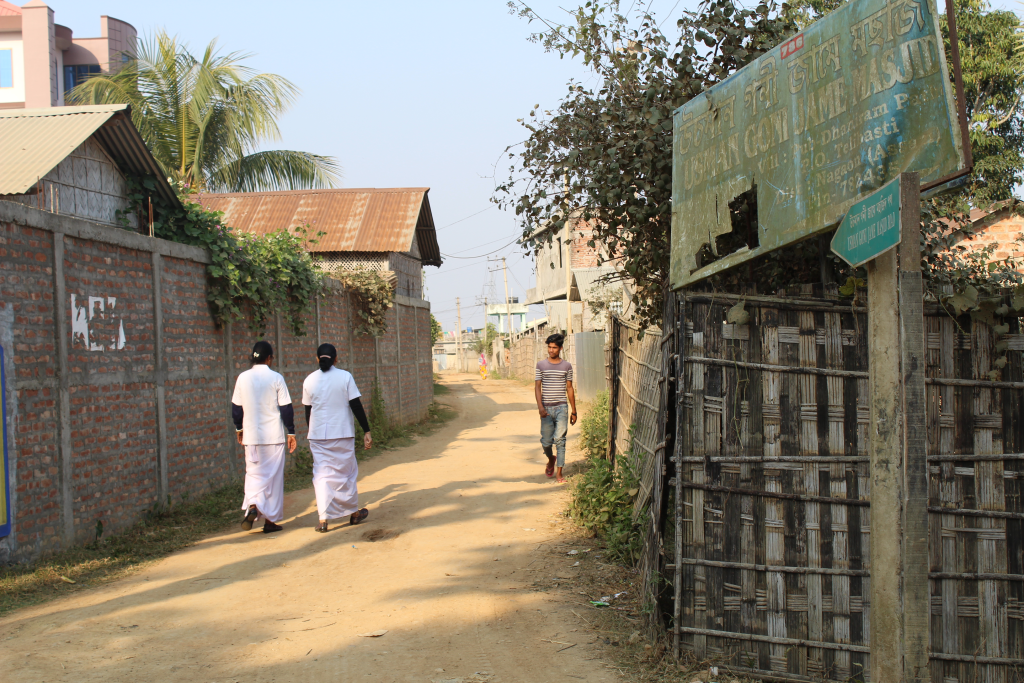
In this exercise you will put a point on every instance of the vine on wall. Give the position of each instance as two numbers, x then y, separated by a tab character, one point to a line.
372	295
264	273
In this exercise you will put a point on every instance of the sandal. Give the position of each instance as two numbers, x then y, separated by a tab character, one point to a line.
250	517
321	528
269	527
550	469
358	516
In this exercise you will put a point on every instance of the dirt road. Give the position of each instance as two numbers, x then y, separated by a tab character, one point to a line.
460	586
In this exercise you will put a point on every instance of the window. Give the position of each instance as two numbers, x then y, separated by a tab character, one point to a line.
75	75
6	68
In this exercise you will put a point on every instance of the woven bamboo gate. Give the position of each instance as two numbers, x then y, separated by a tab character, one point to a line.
766	529
635	365
976	515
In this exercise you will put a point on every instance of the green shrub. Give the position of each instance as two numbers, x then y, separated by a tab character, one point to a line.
593	439
601	497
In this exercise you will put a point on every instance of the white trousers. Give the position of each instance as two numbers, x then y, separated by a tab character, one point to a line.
264	480
334	477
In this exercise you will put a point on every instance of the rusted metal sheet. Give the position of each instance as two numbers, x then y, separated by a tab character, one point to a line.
364	220
818	122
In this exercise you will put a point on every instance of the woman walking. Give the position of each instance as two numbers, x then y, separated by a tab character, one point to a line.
262	412
331	398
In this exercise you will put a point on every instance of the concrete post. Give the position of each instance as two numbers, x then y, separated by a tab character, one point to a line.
160	376
916	616
896	445
60	311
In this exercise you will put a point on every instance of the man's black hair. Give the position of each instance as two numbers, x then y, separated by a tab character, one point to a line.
556	339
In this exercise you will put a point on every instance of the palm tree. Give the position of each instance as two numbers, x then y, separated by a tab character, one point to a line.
205	119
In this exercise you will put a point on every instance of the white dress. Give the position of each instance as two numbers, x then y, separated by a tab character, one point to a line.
260	391
332	441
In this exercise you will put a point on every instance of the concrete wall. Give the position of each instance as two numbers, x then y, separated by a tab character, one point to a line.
118	379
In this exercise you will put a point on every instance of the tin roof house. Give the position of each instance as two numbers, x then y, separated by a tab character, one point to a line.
75	161
383	229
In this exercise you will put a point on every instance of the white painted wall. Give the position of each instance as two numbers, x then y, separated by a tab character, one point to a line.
12	41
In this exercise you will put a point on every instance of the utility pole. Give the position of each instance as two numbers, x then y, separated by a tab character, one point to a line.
568	281
508	304
458	338
568	262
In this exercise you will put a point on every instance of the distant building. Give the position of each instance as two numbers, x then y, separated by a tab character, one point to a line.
999	224
382	229
591	276
40	60
502	312
74	161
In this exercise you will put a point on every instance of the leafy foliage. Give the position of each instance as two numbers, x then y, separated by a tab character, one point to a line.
486	343
604	154
993	75
601	498
372	295
206	118
593	438
610	146
261	274
435	330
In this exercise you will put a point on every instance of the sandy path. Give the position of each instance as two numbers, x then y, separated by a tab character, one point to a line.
455	589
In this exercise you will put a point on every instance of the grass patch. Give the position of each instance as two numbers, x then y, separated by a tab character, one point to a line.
441	389
161	532
165	530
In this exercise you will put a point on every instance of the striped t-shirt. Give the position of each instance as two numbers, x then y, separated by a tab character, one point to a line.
552	377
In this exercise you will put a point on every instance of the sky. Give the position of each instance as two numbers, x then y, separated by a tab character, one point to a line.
403	94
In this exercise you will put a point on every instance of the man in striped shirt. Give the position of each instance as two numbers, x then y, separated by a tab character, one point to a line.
552	387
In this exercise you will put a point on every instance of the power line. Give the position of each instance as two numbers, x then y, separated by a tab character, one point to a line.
466	218
495	251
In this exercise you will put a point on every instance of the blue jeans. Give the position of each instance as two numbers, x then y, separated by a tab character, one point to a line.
553	429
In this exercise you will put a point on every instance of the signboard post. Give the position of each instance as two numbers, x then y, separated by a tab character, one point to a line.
870	227
897	448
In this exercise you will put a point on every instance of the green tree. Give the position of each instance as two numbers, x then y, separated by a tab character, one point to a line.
610	144
993	74
486	343
604	154
435	329
205	118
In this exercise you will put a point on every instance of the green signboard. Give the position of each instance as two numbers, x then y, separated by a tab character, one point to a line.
872	226
811	127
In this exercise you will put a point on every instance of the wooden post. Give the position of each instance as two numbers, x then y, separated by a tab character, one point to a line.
896	444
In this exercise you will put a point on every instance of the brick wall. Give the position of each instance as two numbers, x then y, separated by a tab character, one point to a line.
1001	227
118	397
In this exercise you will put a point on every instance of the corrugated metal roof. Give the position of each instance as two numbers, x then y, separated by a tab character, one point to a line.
586	280
368	219
34	141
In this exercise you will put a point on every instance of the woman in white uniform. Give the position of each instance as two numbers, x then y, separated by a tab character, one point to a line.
264	420
331	399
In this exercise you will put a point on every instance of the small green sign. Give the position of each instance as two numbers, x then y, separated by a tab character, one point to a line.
871	227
